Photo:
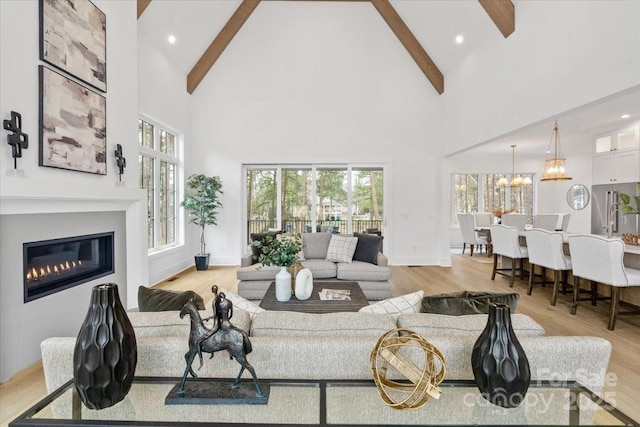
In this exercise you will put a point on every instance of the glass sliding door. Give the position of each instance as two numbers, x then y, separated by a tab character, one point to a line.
308	198
331	200
367	200
296	199
262	200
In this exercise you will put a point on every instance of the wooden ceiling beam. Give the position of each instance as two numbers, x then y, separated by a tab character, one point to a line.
410	43
502	13
142	5
222	40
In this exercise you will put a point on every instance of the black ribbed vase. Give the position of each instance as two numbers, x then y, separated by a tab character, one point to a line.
500	366
105	355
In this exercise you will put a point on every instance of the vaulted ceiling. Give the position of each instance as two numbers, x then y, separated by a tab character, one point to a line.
426	28
413	35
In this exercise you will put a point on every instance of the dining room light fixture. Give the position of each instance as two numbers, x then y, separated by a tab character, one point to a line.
516	181
555	167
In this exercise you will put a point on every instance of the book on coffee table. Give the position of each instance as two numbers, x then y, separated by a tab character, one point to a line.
335	295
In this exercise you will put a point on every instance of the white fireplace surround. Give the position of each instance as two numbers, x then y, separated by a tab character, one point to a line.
22	201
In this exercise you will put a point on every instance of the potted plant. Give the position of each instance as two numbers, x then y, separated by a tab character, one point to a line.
202	201
629	206
281	251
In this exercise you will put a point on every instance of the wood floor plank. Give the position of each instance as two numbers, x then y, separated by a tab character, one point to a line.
473	274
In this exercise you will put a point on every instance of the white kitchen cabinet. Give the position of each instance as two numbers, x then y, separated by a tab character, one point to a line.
616	167
616	156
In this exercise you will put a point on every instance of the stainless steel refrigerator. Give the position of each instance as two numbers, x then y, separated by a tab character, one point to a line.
602	197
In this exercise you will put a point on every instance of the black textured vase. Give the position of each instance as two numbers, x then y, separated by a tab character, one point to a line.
105	355
500	366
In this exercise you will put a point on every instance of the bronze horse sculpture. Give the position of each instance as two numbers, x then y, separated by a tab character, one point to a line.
203	339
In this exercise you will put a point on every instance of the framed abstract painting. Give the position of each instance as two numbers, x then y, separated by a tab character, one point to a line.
73	38
73	125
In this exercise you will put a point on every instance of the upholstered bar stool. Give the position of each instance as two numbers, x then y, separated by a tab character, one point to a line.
600	260
546	251
506	242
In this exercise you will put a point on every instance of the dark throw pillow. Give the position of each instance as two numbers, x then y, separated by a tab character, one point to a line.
461	303
162	300
367	248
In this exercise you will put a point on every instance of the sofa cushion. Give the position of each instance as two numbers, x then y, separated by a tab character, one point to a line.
367	248
294	324
243	304
258	272
341	248
315	245
409	303
321	268
358	270
460	303
431	325
162	300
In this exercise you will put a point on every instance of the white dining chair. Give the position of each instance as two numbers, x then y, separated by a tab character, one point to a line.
515	220
546	221
483	219
546	250
600	260
506	242
469	234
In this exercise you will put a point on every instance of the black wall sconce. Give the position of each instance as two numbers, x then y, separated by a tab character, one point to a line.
17	140
120	161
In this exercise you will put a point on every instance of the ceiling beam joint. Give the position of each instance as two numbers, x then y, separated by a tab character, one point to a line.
410	43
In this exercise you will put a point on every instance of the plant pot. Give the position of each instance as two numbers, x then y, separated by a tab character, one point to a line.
105	354
500	365
202	262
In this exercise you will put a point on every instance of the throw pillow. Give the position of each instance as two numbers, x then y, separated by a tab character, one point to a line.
341	248
462	303
163	300
367	248
243	304
409	303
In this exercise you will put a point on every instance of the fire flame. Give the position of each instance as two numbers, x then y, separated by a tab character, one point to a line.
39	273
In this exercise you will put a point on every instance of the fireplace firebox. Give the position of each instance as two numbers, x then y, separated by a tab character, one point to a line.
51	266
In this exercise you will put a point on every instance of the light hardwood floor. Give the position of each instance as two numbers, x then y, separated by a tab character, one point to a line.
623	388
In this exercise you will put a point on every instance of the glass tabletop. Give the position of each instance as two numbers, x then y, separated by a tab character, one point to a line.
329	402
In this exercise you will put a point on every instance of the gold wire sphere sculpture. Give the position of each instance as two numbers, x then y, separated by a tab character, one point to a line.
406	385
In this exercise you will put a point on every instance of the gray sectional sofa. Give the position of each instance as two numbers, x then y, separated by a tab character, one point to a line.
373	278
290	345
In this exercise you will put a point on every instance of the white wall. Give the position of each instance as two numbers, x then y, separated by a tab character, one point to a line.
563	54
322	83
162	96
52	191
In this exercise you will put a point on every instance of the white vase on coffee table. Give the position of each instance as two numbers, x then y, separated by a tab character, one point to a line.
283	285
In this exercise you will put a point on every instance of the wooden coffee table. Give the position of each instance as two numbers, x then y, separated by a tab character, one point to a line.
314	304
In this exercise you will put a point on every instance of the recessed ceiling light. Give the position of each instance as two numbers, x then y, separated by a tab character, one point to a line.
171	39
624	116
459	39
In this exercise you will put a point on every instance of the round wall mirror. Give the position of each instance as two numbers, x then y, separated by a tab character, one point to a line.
578	196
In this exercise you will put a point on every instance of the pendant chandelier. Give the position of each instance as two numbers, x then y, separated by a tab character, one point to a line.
555	168
516	181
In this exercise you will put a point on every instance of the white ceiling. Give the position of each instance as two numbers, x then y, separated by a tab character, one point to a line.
434	23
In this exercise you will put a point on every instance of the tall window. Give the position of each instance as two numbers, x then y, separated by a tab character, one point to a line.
158	161
488	193
337	199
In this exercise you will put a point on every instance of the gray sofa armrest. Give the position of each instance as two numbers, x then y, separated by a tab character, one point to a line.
247	259
382	260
